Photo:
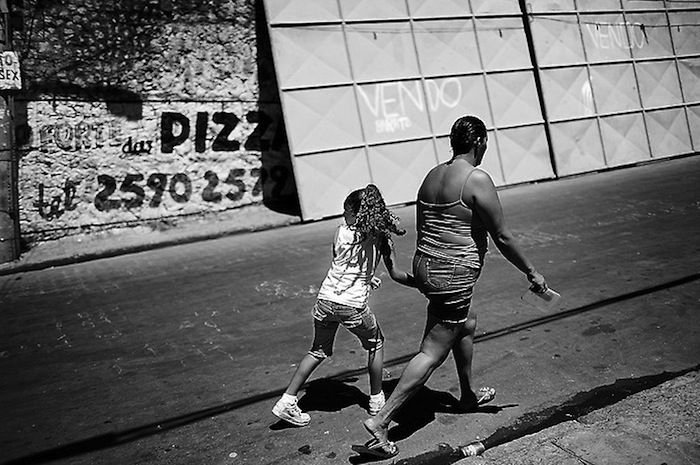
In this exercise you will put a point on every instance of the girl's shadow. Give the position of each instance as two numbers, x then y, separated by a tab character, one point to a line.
328	395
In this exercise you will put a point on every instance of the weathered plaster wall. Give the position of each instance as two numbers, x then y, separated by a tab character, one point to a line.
138	110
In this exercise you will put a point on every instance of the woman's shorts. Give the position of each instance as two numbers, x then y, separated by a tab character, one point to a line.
359	321
448	287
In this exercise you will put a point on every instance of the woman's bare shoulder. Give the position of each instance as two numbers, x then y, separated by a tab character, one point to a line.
481	178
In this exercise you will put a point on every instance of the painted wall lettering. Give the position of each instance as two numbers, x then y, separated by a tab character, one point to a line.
119	168
137	147
131	194
392	103
81	136
59	203
175	130
614	35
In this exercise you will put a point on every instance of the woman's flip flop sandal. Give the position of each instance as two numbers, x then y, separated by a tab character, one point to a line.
485	395
374	448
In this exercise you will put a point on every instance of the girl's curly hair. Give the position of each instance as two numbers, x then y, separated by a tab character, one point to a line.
372	218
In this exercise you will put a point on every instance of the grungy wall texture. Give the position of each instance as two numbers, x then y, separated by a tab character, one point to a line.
141	110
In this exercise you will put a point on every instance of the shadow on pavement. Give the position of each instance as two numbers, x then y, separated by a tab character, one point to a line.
419	411
332	395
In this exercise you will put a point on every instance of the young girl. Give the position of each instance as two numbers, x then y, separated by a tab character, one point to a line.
358	245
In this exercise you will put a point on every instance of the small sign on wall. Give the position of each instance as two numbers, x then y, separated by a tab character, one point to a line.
9	71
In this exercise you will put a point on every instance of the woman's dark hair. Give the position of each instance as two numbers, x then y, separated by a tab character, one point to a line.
372	218
465	133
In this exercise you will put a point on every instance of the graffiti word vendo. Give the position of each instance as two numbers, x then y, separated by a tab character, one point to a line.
392	103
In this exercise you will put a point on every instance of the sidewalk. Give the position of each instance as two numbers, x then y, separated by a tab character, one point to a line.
81	248
656	426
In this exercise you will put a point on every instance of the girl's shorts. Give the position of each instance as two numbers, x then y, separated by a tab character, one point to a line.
359	321
448	287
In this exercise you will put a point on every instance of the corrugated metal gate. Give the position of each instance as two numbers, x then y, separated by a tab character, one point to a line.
370	89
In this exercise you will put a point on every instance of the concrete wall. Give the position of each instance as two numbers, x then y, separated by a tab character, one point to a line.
142	110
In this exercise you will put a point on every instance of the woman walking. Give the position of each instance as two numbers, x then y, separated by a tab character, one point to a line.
457	206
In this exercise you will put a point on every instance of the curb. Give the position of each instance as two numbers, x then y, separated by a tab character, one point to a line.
17	266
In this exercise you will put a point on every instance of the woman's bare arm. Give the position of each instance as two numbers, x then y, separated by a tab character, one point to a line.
488	207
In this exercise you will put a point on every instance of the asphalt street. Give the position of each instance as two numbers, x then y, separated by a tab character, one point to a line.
176	355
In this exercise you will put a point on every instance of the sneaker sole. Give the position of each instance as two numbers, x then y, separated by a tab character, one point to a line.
290	420
373	412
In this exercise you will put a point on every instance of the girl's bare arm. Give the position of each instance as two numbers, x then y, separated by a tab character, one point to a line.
397	274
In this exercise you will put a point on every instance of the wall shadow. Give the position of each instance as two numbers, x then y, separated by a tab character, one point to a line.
279	186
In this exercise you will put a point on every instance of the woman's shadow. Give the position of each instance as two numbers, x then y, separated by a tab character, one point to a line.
419	411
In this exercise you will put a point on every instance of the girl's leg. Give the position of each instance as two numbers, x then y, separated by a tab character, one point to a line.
307	365
375	365
463	352
436	345
321	347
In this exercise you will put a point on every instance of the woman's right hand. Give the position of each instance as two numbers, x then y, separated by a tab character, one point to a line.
539	285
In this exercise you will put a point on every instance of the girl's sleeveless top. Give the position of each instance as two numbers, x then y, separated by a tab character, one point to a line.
438	225
348	279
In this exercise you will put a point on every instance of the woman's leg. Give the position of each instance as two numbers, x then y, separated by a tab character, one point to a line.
435	347
463	352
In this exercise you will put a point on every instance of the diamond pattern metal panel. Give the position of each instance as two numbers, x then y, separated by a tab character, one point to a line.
668	132
598	5
557	40
382	51
371	9
320	48
438	8
321	119
513	98
615	88
334	176
446	47
405	109
650	36
525	154
690	79
567	93
694	120
577	146
495	6
290	11
545	6
643	4
393	111
450	98
624	139
503	44
685	30
658	83
605	38
398	169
